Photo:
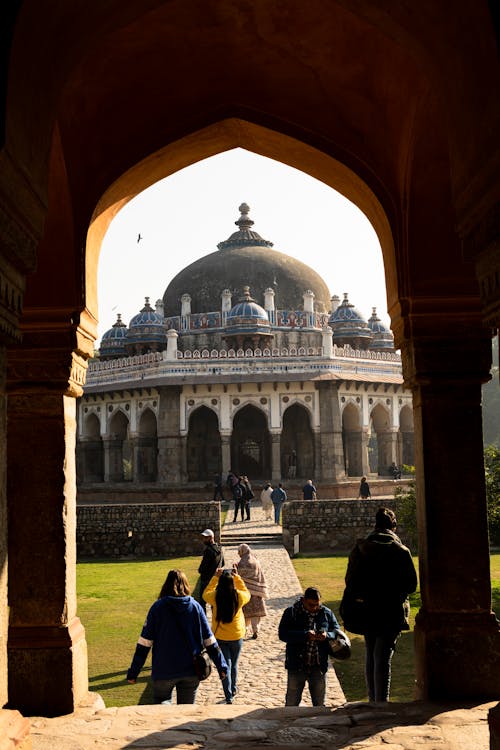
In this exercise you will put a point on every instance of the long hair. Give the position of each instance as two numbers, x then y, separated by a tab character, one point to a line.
176	584
226	598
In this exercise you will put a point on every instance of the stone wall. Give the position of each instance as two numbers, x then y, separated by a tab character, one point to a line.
330	525
153	530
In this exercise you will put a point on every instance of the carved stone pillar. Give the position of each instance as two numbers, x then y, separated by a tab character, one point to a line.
276	456
387	450
457	637
47	652
332	451
171	447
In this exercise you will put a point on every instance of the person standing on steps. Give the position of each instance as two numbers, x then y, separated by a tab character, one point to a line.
248	495
227	594
213	558
364	490
267	503
239	500
278	497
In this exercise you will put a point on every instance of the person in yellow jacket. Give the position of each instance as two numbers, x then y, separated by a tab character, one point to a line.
228	594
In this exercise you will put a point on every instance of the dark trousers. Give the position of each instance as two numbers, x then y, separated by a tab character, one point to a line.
239	503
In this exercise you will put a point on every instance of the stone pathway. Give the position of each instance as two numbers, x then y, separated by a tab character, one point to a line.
262	675
258	717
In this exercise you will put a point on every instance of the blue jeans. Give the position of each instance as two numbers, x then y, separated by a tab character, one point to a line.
379	651
186	688
296	683
277	512
231	651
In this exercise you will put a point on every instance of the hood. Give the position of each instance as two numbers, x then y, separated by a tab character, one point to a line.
378	539
179	603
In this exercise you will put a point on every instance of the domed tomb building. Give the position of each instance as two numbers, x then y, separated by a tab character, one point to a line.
246	363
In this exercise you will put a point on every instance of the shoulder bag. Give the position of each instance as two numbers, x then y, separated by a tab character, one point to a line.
354	612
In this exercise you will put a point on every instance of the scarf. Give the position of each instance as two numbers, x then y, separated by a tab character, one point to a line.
251	572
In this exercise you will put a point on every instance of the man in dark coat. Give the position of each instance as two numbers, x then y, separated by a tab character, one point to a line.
213	558
306	627
381	573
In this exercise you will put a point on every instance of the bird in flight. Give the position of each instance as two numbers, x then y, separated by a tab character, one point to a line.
139	237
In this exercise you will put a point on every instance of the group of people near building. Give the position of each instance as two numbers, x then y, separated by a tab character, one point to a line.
380	576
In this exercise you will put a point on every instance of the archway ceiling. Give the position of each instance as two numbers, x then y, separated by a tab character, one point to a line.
382	87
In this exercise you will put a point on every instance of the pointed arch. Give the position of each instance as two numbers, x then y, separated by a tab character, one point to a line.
352	440
251	443
204	452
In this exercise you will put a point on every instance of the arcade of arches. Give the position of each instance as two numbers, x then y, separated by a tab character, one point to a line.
407	128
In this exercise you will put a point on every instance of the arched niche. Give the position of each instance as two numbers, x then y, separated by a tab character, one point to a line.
120	459
90	452
147	448
406	436
204	453
352	440
297	443
379	453
250	443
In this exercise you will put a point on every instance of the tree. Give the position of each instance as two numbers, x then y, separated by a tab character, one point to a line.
492	476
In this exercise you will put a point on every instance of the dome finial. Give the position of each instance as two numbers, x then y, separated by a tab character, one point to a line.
244	222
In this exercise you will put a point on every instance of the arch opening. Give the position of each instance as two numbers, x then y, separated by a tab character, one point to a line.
204	453
251	444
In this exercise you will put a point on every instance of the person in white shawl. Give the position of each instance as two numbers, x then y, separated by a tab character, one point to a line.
251	572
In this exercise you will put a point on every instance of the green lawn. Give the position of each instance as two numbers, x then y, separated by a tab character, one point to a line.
114	597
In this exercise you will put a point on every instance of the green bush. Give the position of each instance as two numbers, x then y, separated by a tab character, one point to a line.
492	476
407	508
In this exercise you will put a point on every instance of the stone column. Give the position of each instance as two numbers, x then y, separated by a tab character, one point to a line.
387	450
135	451
171	448
47	652
225	442
365	458
332	451
276	456
457	638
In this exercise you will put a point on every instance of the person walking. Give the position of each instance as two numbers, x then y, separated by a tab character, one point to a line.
278	497
248	495
309	491
176	628
267	503
364	490
228	594
251	572
213	558
239	500
381	573
306	627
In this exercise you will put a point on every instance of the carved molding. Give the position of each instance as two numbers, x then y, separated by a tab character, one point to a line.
12	285
488	275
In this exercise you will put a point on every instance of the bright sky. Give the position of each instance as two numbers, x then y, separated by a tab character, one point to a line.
183	217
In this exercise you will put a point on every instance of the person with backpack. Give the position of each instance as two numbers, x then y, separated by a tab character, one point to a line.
213	558
248	495
239	500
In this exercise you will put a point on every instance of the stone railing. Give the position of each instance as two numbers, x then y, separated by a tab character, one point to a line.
291	351
329	525
150	530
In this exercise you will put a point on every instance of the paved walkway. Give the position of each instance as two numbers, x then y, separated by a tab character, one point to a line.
258	716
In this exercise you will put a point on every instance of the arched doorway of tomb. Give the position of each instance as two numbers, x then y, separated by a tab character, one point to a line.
297	443
204	454
352	440
406	437
381	444
146	463
90	454
119	449
250	444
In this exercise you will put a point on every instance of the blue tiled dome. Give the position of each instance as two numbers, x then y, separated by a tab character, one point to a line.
247	316
349	326
382	336
146	330
113	341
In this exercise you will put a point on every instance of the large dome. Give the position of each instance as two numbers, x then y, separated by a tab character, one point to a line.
245	259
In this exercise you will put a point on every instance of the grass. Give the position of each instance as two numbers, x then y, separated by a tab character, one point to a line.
114	597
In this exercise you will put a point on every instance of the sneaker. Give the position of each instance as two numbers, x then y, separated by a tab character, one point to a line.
254	636
229	700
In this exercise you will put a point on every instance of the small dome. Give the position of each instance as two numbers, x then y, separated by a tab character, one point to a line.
247	316
349	326
146	331
113	341
382	336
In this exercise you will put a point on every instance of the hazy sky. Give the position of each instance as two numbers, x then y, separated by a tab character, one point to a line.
183	217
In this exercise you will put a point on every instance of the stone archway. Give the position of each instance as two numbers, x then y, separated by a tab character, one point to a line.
297	443
381	441
352	440
91	451
406	437
119	458
251	444
204	453
146	450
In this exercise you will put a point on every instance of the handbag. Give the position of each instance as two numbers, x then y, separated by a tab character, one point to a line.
340	646
201	661
354	612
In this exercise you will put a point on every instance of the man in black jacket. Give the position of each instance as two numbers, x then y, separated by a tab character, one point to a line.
213	558
381	573
306	627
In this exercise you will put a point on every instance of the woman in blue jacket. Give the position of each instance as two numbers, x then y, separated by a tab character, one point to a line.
306	627
176	628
